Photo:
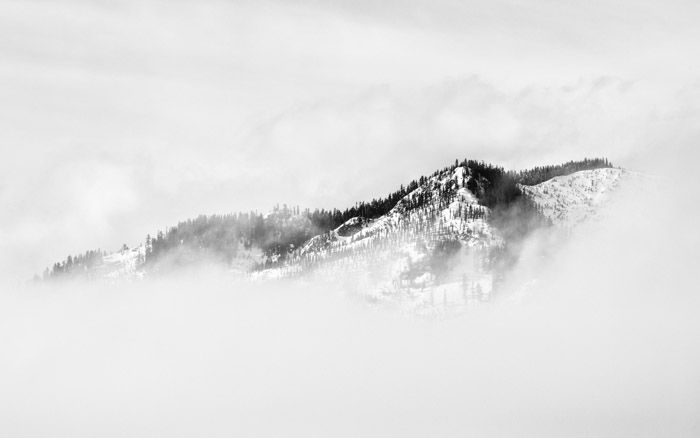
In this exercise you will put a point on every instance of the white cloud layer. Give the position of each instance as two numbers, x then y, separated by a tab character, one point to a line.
118	118
604	344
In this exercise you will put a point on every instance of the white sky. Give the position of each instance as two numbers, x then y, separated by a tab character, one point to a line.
120	118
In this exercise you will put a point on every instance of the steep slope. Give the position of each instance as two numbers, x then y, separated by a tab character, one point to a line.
570	199
450	211
437	235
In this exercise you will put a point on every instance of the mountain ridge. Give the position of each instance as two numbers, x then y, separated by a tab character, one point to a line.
466	197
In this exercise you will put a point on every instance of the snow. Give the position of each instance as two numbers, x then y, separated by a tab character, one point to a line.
389	258
390	255
571	199
123	264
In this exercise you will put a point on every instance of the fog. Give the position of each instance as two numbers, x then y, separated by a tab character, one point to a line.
603	342
120	119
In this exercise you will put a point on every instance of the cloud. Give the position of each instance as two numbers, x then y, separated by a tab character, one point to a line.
120	119
604	343
383	133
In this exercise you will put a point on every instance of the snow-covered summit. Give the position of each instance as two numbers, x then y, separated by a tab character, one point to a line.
440	208
404	254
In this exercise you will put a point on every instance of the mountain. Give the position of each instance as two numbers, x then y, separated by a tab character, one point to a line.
449	237
437	234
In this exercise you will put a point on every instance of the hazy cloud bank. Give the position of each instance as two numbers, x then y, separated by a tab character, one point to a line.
604	344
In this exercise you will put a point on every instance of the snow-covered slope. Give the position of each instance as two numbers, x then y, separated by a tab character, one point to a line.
401	254
437	248
459	215
570	199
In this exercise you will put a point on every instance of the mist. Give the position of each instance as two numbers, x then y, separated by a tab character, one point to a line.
122	118
596	337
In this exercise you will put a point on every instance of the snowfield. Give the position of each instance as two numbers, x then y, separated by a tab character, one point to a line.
570	199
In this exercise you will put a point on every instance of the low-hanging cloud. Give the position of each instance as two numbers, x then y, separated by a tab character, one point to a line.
603	344
139	115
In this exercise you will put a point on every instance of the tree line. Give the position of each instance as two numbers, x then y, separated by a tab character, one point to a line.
541	174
